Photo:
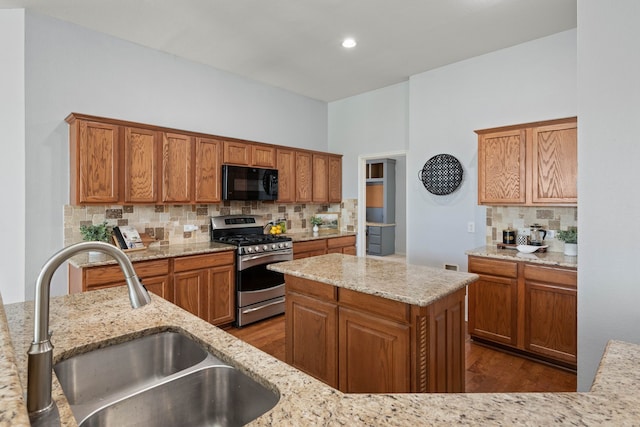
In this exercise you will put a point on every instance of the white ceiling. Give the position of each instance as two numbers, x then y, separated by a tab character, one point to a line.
295	44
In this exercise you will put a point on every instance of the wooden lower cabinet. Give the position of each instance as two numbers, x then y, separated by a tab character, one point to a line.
374	353
362	343
344	245
311	325
204	286
201	284
525	307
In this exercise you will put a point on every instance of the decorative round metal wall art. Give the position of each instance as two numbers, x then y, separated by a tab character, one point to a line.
441	174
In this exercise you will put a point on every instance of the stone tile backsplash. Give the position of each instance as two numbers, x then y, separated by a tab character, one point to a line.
165	223
551	218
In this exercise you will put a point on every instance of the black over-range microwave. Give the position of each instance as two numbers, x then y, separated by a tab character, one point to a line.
247	183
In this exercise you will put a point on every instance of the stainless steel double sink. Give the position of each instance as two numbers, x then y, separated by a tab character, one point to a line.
164	379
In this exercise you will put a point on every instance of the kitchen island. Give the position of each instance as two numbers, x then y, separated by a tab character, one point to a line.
342	309
82	322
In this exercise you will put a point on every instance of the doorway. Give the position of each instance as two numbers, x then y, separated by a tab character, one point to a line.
399	191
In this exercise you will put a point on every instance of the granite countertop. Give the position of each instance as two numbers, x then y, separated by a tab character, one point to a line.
156	251
548	258
412	284
306	236
78	326
153	252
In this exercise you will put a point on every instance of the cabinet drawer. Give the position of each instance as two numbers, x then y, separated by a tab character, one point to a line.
493	267
196	262
310	245
374	231
309	287
113	273
338	242
551	275
374	249
387	308
375	240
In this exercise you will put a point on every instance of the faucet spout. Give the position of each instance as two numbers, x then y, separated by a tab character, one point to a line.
41	351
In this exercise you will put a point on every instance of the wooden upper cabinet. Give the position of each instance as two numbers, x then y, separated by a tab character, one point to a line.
116	161
263	156
94	149
208	165
176	168
320	180
555	163
237	153
335	179
303	176
501	167
286	164
533	164
140	155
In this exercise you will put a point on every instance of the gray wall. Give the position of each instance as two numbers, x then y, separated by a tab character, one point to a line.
608	158
12	177
71	69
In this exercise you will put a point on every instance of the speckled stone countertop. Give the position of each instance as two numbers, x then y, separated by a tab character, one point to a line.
548	258
156	251
84	321
303	237
412	284
153	252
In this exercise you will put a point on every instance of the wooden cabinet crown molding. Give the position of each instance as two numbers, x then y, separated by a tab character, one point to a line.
531	164
119	161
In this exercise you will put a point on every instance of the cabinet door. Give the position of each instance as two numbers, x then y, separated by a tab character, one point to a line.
555	164
335	179
140	152
286	163
312	337
373	354
501	168
97	162
160	286
303	176
208	170
191	291
176	168
551	321
237	153
493	309
320	178
263	156
220	295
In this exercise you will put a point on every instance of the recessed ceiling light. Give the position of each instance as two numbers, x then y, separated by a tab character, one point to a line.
349	43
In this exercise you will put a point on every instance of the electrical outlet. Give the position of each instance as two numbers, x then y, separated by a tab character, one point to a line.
190	227
471	227
551	234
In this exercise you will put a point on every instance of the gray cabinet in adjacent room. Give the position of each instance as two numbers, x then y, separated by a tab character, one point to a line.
381	239
381	191
381	206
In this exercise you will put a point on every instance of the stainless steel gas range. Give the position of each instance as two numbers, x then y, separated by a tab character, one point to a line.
259	292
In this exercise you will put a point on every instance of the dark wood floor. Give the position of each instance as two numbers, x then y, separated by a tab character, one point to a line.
488	370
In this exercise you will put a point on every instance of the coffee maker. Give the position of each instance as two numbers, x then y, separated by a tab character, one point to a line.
537	235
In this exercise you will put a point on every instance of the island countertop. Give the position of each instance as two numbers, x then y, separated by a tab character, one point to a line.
412	284
83	321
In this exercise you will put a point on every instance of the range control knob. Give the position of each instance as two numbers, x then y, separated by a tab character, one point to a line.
281	245
248	250
257	249
274	246
265	248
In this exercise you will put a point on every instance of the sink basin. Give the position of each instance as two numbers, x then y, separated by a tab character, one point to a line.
215	396
161	379
110	370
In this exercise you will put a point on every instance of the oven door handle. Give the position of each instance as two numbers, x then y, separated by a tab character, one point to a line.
251	310
245	261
